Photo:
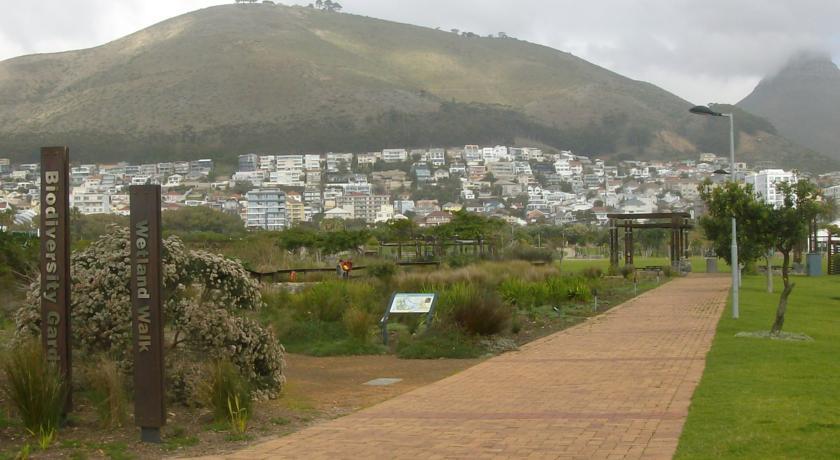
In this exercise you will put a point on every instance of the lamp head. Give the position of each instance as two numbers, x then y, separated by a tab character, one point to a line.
703	110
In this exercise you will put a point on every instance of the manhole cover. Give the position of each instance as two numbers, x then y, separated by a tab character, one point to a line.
382	382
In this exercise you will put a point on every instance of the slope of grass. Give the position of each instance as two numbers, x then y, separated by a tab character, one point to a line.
762	398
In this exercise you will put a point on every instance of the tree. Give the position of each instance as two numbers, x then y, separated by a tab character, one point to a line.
789	226
726	201
761	226
469	225
296	238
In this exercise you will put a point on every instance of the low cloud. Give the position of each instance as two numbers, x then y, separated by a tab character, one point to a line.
714	50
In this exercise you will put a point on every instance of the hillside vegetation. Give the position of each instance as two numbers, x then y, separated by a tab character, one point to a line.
235	78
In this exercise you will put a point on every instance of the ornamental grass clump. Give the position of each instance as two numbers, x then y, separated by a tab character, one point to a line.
358	323
483	314
226	393
106	391
34	387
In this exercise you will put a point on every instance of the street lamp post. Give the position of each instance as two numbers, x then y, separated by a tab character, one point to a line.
736	275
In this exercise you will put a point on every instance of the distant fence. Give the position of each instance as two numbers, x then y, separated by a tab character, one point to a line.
283	275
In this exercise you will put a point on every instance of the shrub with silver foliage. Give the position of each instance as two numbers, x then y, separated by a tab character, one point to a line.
204	295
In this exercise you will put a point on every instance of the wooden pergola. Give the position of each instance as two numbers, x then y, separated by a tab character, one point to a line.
678	222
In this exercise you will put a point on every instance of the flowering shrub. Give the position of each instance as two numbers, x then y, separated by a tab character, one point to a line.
203	296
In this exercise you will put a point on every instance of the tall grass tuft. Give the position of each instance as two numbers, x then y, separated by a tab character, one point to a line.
484	314
106	390
358	323
34	387
225	388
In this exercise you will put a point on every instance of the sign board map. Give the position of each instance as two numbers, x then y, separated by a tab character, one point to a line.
412	303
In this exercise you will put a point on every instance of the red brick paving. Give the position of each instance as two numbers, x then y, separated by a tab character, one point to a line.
617	386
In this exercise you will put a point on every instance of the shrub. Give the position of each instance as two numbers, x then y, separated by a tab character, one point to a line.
592	273
358	323
460	260
106	392
34	387
384	270
450	297
529	253
327	301
523	294
207	295
223	387
627	271
483	314
579	290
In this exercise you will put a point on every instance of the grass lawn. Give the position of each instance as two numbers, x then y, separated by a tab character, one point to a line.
763	398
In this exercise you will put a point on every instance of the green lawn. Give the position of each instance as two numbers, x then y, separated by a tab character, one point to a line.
771	399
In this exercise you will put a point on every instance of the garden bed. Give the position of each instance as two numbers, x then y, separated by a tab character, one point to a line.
484	309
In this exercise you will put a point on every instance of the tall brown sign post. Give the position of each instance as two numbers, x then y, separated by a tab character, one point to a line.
147	314
55	263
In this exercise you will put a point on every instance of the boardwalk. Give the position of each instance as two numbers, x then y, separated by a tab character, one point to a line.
618	386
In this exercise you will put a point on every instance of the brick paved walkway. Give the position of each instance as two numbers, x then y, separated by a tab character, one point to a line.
618	386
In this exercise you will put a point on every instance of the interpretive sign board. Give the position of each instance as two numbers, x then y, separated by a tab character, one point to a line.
55	263
147	314
408	302
411	303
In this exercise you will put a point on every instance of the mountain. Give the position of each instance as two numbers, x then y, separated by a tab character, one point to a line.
232	79
803	101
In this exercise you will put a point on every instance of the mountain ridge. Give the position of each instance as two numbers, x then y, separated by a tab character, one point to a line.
229	79
803	101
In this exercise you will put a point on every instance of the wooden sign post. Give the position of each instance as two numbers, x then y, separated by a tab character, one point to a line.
147	314
55	263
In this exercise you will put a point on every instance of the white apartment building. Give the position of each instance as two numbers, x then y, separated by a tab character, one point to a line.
266	209
764	184
286	178
256	178
289	163
437	157
311	161
91	202
366	158
472	153
366	207
394	155
563	168
266	162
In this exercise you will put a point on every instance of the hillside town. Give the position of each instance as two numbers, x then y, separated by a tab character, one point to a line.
521	185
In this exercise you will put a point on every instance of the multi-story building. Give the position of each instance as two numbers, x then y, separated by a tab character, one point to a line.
472	153
5	165
394	155
91	202
295	209
165	169
437	157
248	162
311	162
265	163
365	207
266	209
764	183
366	158
181	167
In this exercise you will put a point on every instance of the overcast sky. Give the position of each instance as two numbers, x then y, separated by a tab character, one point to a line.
702	50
